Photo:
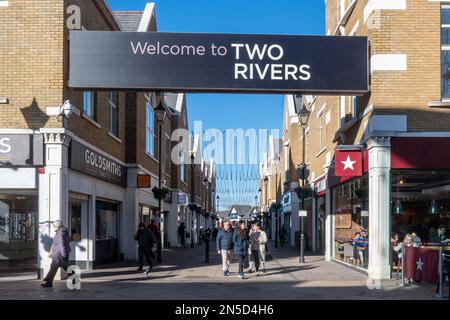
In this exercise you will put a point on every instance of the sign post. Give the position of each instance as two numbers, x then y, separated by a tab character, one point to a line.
206	62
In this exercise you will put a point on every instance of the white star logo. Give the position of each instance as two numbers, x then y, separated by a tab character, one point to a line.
419	264
348	164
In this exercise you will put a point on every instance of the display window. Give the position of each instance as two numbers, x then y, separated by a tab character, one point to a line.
351	222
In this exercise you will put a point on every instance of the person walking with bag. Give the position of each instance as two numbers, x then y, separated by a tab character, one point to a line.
224	246
240	242
262	246
59	253
255	246
145	242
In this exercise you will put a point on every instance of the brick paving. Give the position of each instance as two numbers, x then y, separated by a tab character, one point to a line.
183	275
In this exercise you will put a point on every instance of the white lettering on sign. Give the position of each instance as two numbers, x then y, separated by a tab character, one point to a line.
246	71
275	71
164	49
94	159
5	146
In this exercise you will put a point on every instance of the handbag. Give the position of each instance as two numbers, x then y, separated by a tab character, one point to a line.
188	235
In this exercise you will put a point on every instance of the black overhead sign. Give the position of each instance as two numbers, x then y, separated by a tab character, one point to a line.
90	162
199	62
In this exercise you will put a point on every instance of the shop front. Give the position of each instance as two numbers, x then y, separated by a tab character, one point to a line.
20	157
96	197
319	214
403	187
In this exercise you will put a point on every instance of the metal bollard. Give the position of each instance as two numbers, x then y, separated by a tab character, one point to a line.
403	283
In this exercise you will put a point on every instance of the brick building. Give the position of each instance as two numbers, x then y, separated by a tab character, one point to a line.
400	130
81	167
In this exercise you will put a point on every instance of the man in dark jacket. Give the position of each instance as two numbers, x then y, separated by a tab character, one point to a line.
182	234
144	239
224	246
59	253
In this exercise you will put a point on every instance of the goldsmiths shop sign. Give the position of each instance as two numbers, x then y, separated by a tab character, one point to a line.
218	62
88	161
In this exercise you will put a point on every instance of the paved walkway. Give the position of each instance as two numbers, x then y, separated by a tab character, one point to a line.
183	275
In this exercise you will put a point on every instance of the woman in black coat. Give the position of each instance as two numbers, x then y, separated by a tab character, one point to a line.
240	242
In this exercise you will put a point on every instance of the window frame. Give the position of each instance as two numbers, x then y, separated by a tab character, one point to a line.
444	48
91	110
113	106
149	131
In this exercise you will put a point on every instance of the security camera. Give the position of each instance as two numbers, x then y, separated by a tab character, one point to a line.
66	109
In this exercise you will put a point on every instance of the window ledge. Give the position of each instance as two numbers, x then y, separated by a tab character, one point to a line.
439	104
92	121
321	151
350	123
114	137
151	156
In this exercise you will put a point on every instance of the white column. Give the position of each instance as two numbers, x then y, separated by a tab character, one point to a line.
329	227
53	193
379	208
130	216
172	220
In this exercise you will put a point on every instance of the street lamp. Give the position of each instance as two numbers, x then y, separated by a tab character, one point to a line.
266	181
217	204
192	198
302	169
160	112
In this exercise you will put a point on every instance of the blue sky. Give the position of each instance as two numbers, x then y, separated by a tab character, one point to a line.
231	111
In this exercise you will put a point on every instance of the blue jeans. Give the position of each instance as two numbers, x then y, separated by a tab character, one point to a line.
241	259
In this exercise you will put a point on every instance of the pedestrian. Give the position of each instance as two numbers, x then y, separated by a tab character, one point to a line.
283	232
59	253
255	246
262	246
157	235
200	235
240	242
144	239
182	234
224	246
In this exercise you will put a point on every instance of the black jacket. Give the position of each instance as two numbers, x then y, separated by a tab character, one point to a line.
144	238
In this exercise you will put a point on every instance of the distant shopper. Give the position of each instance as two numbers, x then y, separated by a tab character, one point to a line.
155	230
144	239
416	240
283	233
255	246
59	253
224	246
440	237
182	234
262	246
240	242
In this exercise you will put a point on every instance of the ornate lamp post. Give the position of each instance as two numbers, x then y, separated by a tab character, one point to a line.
160	112
192	198
302	169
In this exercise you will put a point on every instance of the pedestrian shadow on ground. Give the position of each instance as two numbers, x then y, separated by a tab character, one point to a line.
281	270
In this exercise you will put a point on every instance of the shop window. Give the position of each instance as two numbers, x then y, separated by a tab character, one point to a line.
321	132
150	129
113	102
75	220
351	222
445	52
182	166
90	104
168	158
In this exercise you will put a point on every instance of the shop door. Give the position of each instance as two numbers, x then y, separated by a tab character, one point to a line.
106	244
18	233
